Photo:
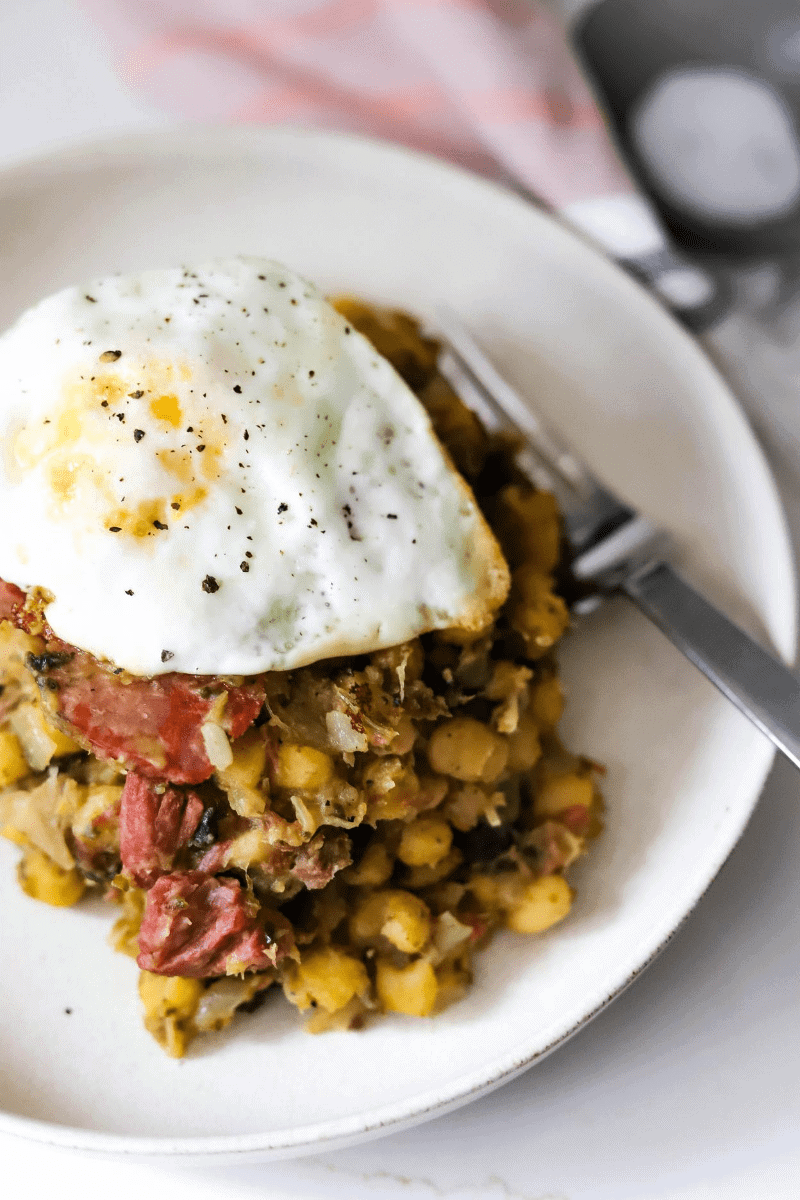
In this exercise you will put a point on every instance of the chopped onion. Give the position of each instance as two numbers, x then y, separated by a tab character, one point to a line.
342	735
218	748
220	1001
37	745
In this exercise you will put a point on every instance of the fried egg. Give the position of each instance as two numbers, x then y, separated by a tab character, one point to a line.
208	470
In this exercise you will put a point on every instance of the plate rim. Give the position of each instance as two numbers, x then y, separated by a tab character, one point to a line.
193	140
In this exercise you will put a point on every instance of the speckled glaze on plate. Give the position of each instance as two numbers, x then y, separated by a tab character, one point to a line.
641	402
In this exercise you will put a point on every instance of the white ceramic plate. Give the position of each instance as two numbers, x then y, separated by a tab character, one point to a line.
636	396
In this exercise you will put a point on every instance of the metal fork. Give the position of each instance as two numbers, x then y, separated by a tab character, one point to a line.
616	550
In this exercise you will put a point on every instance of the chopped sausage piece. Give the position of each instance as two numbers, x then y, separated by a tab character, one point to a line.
12	599
153	826
151	725
198	925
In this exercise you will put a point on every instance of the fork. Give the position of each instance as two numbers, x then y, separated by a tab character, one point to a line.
614	549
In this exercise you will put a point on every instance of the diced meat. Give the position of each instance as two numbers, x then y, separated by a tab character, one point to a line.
12	599
214	858
318	860
198	925
153	726
153	826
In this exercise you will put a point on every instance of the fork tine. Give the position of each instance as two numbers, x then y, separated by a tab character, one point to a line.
591	512
507	404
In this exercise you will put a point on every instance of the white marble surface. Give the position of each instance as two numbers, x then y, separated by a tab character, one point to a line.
684	1089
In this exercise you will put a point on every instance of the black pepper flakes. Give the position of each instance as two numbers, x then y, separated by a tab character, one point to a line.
110	355
138	434
115	529
166	655
175	505
237	388
238	510
246	436
160	525
137	395
128	591
200	448
210	584
244	566
282	508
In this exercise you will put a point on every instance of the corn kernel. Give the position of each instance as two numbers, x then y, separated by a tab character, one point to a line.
302	767
425	842
543	903
411	990
468	750
42	879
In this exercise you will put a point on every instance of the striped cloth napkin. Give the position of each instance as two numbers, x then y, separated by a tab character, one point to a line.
489	84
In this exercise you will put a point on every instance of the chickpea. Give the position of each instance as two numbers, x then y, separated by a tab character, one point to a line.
524	748
374	868
42	879
535	611
543	903
425	842
547	702
563	791
529	527
302	767
468	750
328	978
411	990
401	917
13	765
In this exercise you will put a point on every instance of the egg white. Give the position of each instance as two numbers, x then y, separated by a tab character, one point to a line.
210	471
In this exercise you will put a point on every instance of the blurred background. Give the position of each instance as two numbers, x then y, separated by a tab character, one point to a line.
687	169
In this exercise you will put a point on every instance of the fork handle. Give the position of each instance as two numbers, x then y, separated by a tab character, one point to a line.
760	686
